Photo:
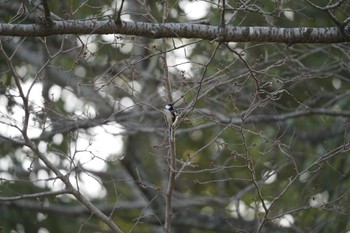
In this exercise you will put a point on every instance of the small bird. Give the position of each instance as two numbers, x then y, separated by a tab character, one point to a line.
171	117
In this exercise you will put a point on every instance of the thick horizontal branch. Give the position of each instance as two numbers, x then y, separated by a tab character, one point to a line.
178	30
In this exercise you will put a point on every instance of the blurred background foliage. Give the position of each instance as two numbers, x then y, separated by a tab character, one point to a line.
265	114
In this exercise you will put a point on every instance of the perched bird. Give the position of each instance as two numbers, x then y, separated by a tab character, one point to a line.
171	117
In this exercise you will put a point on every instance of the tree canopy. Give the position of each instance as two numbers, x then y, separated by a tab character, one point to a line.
261	90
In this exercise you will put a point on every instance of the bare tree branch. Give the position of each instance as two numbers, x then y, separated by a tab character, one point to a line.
34	195
176	30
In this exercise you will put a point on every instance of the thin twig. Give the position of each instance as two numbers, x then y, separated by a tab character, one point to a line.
34	195
171	181
118	20
47	12
171	138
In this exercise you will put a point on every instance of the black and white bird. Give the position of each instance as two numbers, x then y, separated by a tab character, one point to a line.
170	115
